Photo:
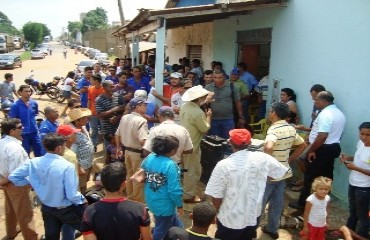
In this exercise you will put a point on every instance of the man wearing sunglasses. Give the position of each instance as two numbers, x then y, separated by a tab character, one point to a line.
18	206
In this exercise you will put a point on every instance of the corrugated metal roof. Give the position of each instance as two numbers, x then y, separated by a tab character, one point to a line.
183	16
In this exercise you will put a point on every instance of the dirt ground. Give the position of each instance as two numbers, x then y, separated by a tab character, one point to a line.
56	65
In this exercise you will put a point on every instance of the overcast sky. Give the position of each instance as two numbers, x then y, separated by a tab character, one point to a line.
56	13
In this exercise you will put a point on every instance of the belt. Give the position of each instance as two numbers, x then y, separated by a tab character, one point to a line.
133	150
61	207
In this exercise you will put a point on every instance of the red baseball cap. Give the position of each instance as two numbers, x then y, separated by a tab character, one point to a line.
240	136
66	130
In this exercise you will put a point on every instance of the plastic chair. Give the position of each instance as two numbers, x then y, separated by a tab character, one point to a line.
259	129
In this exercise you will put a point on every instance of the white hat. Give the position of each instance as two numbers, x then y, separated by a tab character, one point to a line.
176	75
141	94
194	93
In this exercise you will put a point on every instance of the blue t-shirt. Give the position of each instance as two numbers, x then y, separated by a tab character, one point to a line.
113	79
163	191
83	82
45	128
143	85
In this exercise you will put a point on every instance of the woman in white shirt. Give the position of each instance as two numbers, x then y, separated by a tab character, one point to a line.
359	183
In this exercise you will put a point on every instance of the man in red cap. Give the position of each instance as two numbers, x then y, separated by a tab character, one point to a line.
69	134
237	185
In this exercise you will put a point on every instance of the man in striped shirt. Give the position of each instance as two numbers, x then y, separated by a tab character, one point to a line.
109	108
280	139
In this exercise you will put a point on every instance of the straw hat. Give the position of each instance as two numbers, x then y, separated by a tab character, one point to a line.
78	113
194	93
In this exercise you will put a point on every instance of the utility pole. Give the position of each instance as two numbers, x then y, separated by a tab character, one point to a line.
122	17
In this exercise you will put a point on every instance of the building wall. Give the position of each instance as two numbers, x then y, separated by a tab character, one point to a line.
316	41
187	3
197	34
104	41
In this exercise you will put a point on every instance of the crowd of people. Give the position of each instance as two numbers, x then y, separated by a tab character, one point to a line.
153	154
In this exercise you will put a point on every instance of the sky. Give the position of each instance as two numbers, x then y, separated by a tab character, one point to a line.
56	13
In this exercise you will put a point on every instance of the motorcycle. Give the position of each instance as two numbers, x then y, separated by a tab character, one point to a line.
51	89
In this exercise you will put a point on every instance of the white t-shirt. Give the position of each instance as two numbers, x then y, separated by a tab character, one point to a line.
176	102
330	120
240	180
67	86
361	160
317	217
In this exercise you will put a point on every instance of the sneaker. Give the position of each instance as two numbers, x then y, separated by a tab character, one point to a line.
295	205
271	234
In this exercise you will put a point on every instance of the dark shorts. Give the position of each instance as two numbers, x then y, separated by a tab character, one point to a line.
67	94
247	233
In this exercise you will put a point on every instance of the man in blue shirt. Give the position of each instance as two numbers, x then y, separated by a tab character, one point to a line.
26	110
138	81
50	124
83	84
55	182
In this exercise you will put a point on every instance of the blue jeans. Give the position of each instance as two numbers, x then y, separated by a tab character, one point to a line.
359	202
221	127
32	140
274	195
94	126
68	232
54	218
163	224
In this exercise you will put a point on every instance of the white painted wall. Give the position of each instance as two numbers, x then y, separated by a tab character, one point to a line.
197	34
317	41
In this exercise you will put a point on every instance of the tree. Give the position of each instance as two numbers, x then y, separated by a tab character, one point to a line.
45	30
33	32
6	25
95	20
74	28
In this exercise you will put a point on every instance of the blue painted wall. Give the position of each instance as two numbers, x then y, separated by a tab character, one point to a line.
326	42
188	3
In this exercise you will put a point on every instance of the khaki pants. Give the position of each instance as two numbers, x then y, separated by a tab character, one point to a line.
18	209
191	162
83	179
134	190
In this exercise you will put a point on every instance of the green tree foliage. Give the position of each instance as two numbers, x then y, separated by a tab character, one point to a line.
34	32
74	28
6	25
45	30
95	20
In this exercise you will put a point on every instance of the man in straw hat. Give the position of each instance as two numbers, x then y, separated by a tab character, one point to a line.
197	123
132	133
237	185
83	147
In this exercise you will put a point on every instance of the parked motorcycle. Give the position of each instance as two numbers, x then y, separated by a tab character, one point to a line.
51	89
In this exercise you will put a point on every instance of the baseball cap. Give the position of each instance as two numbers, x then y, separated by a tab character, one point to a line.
235	71
240	136
66	130
166	110
176	75
137	101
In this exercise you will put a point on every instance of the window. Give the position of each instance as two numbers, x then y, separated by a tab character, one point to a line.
194	52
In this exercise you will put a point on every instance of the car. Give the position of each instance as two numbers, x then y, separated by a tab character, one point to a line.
37	54
93	53
80	67
10	61
101	56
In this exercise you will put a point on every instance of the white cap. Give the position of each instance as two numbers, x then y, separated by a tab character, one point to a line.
176	75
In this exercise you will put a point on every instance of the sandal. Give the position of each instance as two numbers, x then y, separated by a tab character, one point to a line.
297	188
297	183
335	233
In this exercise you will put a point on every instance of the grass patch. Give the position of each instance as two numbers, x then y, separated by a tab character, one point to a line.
26	55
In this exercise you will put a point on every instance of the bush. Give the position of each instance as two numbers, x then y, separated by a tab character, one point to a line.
26	55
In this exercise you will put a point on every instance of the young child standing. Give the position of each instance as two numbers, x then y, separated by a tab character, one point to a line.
315	213
163	191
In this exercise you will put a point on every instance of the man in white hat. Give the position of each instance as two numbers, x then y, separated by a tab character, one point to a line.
83	147
132	133
197	123
169	90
